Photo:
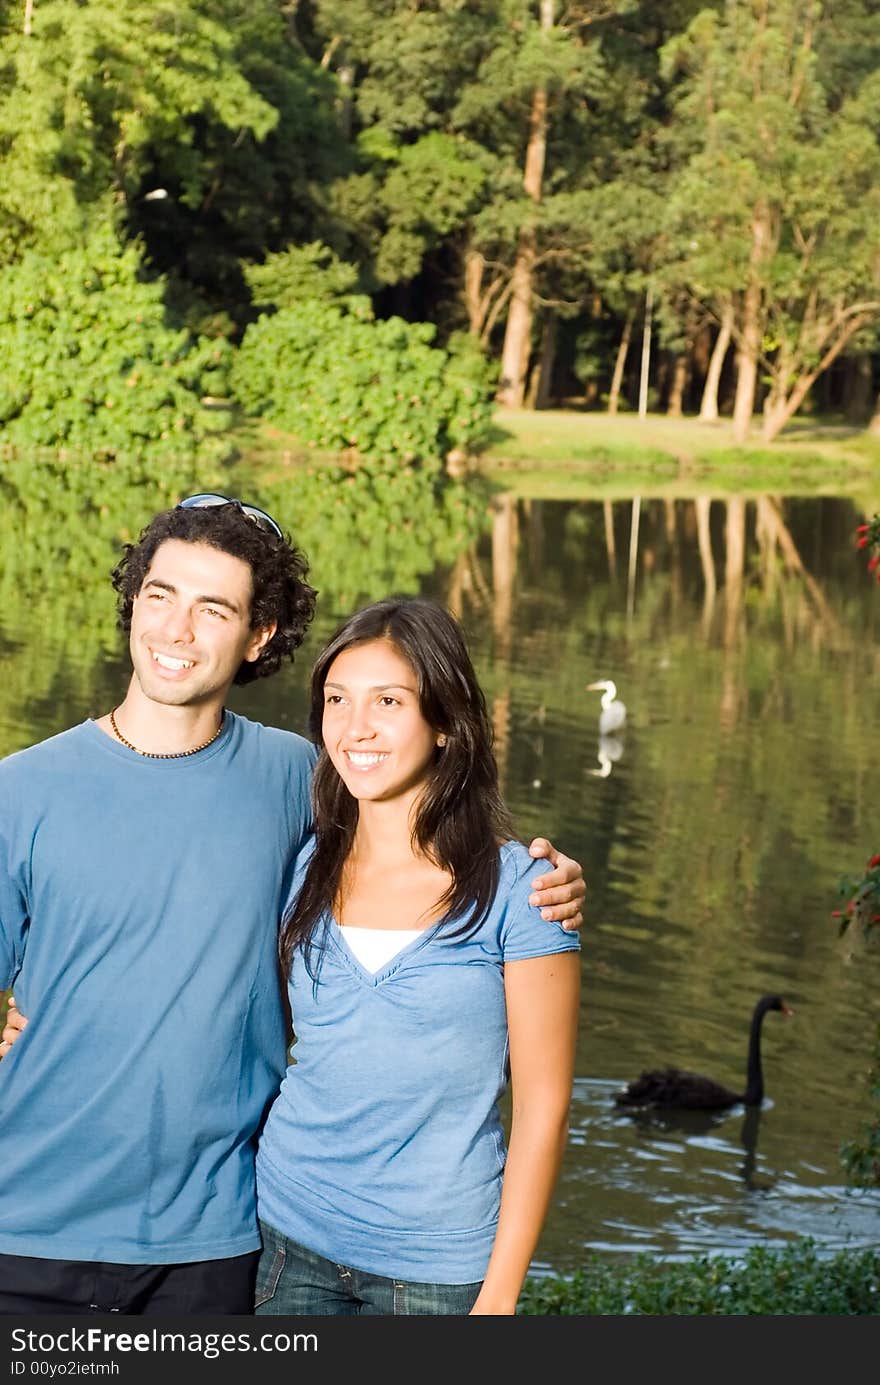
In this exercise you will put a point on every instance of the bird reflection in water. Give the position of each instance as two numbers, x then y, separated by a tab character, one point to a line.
608	751
688	1124
749	1141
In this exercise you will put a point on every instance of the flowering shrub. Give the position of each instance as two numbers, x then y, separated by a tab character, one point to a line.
868	537
862	894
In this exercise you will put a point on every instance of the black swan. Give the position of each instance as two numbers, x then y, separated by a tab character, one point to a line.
674	1087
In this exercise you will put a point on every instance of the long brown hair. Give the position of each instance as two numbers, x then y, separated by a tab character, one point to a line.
460	818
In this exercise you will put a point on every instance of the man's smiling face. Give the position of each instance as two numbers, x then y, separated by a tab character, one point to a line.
190	624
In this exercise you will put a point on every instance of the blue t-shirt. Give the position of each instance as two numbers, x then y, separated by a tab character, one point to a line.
139	903
384	1150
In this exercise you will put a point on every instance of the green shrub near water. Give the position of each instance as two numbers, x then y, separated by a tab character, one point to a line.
343	382
795	1280
90	363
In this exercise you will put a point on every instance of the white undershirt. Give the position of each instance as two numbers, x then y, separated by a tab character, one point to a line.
373	947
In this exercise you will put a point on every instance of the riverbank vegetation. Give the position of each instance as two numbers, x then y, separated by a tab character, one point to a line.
612	206
765	1281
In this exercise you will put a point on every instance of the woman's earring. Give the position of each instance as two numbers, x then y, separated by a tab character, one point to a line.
441	740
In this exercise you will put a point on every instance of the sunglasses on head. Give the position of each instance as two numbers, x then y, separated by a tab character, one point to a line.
207	499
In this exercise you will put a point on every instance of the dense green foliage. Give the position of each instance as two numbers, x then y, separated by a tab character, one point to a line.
457	162
95	365
342	381
793	1280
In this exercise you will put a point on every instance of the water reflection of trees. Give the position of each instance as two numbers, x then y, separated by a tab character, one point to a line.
61	532
740	623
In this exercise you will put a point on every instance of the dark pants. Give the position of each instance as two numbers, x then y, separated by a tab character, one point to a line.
31	1285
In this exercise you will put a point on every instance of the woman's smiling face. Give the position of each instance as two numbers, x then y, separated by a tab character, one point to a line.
372	727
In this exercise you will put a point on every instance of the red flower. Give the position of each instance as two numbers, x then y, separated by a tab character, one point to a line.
836	914
862	542
874	861
872	562
863	528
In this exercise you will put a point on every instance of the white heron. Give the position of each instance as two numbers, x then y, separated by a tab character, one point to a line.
612	713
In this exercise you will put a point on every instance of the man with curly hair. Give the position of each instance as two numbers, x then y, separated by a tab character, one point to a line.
144	859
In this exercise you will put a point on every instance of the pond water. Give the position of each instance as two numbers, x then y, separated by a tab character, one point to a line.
742	636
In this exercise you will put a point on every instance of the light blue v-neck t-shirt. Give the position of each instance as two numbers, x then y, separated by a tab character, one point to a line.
384	1150
139	907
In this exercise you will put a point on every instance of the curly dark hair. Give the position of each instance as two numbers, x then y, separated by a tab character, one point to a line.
281	593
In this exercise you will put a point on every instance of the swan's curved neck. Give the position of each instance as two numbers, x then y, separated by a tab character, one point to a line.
754	1093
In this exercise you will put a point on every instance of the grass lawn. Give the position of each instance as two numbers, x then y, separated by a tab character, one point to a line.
565	453
570	454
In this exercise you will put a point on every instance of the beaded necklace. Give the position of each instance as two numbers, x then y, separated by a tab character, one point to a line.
164	754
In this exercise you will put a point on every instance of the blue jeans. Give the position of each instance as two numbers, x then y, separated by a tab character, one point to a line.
295	1281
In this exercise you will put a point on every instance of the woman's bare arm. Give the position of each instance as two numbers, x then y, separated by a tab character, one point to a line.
543	997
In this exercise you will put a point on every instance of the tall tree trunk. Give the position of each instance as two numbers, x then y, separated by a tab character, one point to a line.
542	374
517	336
474	264
518	333
750	338
620	362
646	355
680	374
709	402
857	389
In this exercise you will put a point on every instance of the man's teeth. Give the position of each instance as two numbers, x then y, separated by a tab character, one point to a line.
363	759
166	661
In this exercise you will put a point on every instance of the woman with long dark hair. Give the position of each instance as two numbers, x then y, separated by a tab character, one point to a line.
420	982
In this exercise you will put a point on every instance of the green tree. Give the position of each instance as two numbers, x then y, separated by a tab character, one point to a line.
98	95
204	121
442	98
774	218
